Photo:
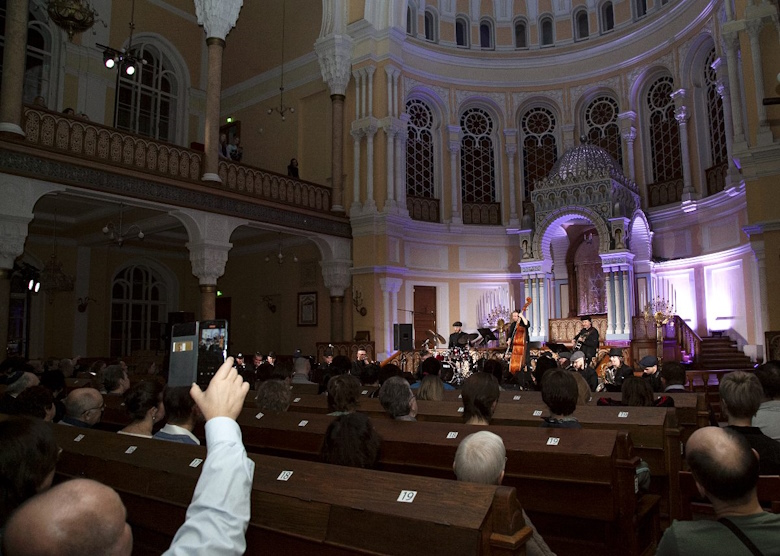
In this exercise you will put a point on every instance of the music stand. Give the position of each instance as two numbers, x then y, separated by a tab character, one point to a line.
556	348
487	335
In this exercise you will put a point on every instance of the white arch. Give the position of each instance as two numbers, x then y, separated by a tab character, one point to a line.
640	237
166	275
547	229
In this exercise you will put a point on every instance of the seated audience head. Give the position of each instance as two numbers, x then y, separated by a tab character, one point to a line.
369	375
480	458
388	370
343	394
145	400
584	395
36	401
397	398
27	460
769	376
560	392
54	381
430	366
341	364
302	366
495	368
97	367
273	395
543	365
278	372
740	395
180	408
66	366
480	396
115	380
25	380
431	388
352	441
85	405
76	517
672	373
723	465
637	392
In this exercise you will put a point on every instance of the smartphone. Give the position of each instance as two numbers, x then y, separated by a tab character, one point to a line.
197	351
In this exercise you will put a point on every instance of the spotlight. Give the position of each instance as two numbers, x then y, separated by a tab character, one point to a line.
108	59
130	68
34	285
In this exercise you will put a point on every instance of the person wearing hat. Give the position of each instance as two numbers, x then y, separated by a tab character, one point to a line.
617	372
239	364
587	339
588	373
457	337
649	366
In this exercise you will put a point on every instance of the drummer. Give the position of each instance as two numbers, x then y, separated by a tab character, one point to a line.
458	338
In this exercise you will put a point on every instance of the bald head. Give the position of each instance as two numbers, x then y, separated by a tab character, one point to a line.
723	464
74	518
84	404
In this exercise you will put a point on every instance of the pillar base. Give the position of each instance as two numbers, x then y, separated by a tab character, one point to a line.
211	177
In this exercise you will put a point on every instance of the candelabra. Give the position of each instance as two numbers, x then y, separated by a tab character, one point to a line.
661	312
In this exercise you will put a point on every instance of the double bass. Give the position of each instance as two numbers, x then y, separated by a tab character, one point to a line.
519	341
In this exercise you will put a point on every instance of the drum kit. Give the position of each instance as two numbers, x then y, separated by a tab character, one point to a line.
457	363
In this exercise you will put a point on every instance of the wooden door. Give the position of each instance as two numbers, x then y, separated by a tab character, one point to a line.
424	313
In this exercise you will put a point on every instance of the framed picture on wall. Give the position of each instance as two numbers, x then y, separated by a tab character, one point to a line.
307	309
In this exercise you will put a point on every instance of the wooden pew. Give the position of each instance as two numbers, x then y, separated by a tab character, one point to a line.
654	431
692	504
320	509
597	466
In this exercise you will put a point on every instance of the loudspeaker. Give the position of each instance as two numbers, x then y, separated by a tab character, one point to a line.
402	337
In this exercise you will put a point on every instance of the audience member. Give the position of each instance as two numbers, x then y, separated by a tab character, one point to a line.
301	371
273	395
85	517
36	401
726	471
67	367
481	458
115	380
144	403
649	367
17	383
343	394
397	399
431	389
27	460
352	441
182	416
740	398
223	147
480	396
588	373
673	377
543	364
496	368
584	395
83	408
235	150
636	392
292	168
560	394
768	415
432	366
369	376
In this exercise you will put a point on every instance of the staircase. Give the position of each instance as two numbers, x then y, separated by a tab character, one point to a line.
720	352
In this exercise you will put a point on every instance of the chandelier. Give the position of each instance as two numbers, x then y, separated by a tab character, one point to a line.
52	278
119	235
74	16
282	109
279	257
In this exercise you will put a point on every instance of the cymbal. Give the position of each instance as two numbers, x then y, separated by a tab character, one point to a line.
472	337
434	337
466	338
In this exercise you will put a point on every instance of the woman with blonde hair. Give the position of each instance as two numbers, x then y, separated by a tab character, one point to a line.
431	388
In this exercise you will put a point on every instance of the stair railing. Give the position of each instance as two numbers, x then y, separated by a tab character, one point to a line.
687	340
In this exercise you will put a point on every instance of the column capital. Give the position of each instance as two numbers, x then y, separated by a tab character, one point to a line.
337	276
390	285
335	56
208	260
218	17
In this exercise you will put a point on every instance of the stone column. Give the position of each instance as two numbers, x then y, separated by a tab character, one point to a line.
618	276
722	85
356	207
390	134
536	275
390	288
454	147
510	147
208	264
731	46
627	312
610	303
14	56
628	133
763	133
217	18
335	57
681	115
400	165
370	204
337	278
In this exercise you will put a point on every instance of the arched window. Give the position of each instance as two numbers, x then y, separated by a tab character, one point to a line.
540	147
546	31
486	34
139	308
147	101
716	122
607	18
477	159
640	8
664	133
461	31
411	20
420	171
601	126
38	63
581	25
521	34
431	26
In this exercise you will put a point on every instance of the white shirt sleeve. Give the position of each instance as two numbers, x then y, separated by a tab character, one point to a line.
218	516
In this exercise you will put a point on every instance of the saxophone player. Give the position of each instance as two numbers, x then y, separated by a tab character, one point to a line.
587	340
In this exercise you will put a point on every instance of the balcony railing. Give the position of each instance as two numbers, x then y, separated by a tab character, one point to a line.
716	178
94	142
424	209
487	214
666	192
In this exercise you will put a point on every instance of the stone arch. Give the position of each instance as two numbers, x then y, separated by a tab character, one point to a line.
487	104
545	231
691	65
640	237
166	274
436	103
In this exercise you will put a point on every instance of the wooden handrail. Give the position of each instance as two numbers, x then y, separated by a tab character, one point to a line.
688	340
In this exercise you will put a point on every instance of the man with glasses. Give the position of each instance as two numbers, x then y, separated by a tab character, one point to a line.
83	408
